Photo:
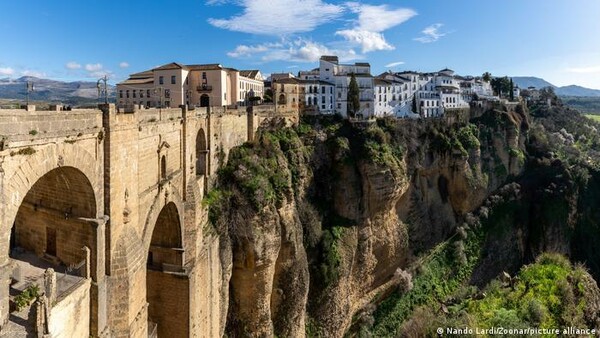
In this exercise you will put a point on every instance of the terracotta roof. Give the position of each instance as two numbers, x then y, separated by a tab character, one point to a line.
172	65
249	73
208	66
144	74
137	81
330	58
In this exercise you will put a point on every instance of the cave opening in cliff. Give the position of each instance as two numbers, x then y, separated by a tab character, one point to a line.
167	285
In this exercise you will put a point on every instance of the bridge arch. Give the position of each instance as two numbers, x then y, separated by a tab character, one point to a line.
42	162
58	187
167	285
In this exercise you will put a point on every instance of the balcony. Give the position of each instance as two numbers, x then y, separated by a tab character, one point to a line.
203	88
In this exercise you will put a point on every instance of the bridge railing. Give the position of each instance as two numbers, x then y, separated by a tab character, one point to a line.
38	123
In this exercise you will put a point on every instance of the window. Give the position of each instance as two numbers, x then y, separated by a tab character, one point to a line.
120	94
323	90
330	90
141	94
322	99
161	80
204	77
167	93
339	106
127	93
134	96
173	79
186	81
323	106
148	93
163	167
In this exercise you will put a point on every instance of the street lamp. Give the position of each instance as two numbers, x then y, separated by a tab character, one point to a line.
30	88
103	89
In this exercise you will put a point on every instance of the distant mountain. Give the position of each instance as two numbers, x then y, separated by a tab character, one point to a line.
572	90
525	82
72	93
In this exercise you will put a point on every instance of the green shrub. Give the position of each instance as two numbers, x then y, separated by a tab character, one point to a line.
26	297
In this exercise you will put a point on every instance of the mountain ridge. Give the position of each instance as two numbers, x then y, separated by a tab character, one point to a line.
570	90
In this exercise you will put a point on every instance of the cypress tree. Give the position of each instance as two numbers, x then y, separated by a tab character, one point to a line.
353	97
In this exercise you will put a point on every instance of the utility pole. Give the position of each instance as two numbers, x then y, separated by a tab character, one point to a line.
29	89
103	89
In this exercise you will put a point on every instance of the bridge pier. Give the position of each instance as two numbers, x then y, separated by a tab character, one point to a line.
5	272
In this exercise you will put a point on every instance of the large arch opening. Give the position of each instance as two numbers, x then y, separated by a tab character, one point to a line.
167	286
204	100
50	230
201	153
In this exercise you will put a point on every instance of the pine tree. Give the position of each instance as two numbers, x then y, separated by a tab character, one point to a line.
414	104
353	97
512	90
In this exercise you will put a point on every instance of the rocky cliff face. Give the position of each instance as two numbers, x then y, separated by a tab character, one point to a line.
320	216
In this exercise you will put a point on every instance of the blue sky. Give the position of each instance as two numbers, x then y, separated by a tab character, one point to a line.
558	40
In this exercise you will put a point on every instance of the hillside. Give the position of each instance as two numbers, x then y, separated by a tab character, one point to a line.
571	90
330	228
73	93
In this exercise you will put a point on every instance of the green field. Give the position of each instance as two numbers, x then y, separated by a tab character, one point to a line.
593	117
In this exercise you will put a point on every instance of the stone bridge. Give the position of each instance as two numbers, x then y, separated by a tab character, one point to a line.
128	186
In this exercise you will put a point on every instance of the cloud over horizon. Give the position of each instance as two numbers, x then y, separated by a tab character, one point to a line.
367	32
371	23
431	33
283	17
298	50
6	71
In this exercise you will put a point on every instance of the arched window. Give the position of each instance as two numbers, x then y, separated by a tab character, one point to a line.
163	167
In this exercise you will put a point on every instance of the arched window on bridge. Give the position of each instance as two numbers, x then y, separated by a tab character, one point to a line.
163	167
201	153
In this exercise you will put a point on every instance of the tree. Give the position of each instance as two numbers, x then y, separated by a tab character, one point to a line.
501	85
487	77
268	97
512	90
414	104
353	97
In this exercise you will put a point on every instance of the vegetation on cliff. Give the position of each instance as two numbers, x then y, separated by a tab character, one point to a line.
455	204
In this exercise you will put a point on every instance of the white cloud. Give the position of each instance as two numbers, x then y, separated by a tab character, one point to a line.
93	67
299	50
431	34
123	64
6	71
100	73
33	73
279	17
291	67
394	64
369	41
73	65
370	24
584	70
245	50
379	18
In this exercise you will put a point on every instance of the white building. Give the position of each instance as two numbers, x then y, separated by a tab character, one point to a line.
319	96
432	93
331	71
